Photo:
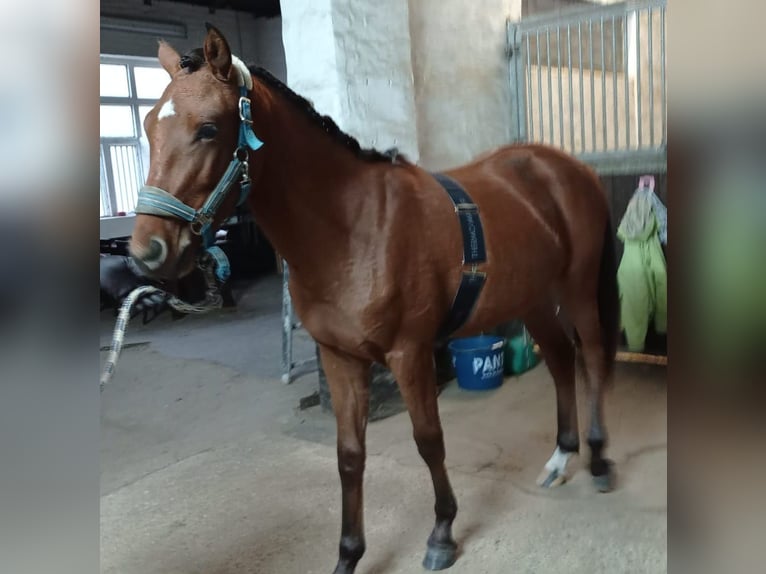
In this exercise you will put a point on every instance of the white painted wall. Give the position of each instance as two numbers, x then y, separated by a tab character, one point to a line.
374	63
351	58
309	44
461	75
256	40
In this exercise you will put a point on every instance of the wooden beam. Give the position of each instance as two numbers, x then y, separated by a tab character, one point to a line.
628	357
645	358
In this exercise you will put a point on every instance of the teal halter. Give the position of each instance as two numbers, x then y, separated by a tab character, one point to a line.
155	201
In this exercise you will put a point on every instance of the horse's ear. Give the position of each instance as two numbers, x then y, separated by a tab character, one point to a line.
169	58
217	53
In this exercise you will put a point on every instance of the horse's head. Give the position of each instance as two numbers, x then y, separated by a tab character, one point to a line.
199	152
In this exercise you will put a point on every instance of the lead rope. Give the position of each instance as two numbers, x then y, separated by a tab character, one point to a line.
213	300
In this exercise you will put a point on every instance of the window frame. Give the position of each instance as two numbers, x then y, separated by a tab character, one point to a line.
108	194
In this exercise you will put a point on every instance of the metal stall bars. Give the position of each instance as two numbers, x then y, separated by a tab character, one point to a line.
604	100
290	324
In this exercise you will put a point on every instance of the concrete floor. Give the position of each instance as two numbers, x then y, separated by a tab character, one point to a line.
208	467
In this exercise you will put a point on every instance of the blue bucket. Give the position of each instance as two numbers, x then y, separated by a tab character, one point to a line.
478	362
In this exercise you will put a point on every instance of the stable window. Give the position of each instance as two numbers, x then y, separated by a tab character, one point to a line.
129	88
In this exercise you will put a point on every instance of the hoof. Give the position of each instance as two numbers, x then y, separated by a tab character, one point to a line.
605	482
440	557
555	471
551	478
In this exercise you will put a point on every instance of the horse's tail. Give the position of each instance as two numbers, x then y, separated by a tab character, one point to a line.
609	299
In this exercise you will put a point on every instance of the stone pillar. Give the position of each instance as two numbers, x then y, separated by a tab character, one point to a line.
352	59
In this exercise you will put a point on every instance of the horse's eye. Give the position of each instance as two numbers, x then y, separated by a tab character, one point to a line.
207	132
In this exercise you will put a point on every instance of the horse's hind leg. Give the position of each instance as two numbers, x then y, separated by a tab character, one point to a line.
559	354
414	369
349	388
586	319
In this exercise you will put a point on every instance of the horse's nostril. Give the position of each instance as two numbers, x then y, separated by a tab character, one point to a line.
155	251
155	254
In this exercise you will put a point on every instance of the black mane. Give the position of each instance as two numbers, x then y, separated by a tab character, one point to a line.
194	59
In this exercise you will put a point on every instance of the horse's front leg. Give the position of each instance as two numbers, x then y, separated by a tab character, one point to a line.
415	371
348	379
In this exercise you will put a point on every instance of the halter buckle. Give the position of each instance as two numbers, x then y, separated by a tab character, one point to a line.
244	110
199	223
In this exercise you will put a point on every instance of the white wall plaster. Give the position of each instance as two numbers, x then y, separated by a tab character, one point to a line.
374	63
309	44
461	74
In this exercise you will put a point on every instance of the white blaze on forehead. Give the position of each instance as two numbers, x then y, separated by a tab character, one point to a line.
167	110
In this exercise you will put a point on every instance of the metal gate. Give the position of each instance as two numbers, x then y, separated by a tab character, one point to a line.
592	82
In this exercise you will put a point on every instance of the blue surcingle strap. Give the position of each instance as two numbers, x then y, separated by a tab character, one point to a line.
474	252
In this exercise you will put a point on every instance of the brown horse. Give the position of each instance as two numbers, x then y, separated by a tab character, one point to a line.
374	247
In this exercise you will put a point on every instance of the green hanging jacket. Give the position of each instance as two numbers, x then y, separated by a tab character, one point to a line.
642	274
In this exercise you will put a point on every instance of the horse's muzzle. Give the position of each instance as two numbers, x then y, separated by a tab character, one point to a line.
151	258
